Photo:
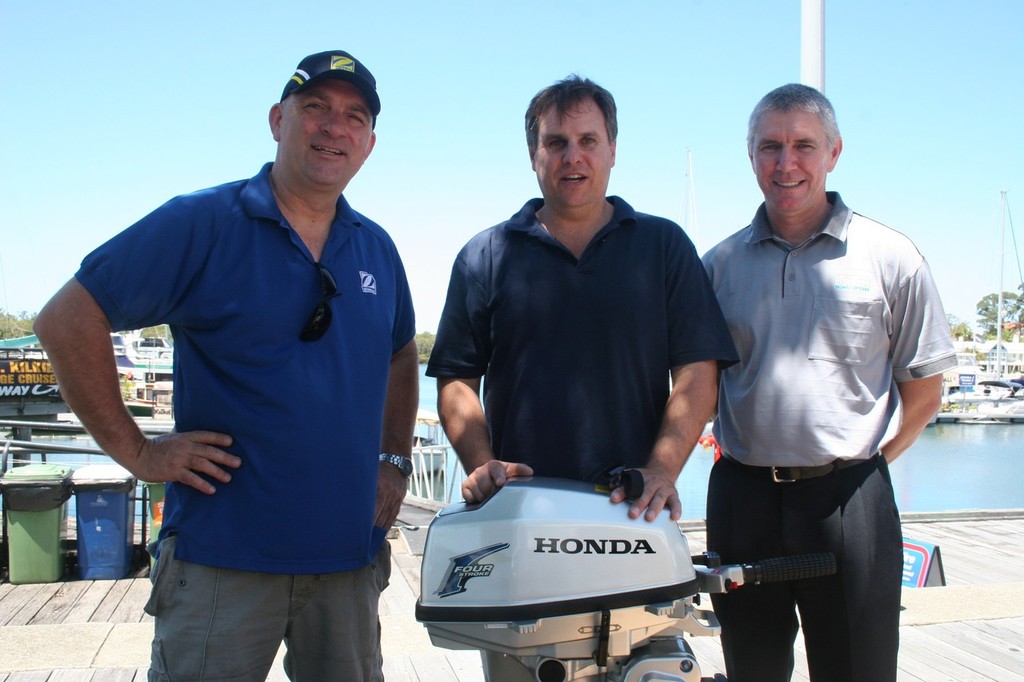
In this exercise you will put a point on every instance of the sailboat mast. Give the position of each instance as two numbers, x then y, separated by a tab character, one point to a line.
999	305
689	207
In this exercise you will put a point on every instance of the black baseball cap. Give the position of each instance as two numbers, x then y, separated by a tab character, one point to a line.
335	64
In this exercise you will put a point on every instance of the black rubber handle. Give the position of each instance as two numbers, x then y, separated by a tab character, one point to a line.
632	482
790	568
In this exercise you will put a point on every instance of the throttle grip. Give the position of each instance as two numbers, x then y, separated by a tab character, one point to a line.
790	568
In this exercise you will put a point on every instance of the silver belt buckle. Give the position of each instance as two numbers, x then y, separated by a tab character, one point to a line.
775	476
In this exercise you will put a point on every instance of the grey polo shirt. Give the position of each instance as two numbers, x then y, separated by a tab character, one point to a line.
824	331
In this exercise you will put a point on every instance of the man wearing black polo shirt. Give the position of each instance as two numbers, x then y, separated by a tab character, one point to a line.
578	311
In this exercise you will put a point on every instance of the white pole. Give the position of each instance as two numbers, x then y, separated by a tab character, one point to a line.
690	203
812	43
999	306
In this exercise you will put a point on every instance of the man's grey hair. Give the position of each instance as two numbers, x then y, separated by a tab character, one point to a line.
795	97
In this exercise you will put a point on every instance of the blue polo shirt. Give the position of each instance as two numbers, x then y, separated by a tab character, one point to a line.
236	285
576	354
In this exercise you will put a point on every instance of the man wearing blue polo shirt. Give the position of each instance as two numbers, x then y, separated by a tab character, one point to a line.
295	395
842	342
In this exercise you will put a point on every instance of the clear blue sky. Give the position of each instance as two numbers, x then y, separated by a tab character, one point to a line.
111	108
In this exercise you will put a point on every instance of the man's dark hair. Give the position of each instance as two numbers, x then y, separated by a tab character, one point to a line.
564	95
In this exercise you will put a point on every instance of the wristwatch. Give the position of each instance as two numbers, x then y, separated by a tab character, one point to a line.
404	464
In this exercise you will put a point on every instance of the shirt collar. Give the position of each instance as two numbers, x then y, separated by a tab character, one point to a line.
525	220
836	225
258	202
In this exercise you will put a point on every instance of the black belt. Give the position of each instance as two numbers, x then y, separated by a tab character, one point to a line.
794	474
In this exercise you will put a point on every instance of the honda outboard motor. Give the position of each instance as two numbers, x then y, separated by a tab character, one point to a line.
550	572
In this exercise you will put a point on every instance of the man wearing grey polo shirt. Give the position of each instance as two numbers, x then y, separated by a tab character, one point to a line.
842	341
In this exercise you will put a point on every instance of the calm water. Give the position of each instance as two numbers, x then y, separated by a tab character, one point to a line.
952	466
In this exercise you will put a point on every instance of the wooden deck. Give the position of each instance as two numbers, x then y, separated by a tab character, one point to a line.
971	630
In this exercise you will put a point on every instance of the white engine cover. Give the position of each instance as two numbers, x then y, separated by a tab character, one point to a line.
540	548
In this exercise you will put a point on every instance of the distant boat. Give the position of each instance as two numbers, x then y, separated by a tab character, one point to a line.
158	406
959	384
146	369
430	446
30	341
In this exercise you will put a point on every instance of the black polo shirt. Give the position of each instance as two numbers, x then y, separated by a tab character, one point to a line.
576	354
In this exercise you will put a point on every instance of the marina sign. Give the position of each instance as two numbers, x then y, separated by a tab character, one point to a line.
27	376
922	564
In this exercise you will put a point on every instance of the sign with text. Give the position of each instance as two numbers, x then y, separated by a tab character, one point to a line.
922	564
27	375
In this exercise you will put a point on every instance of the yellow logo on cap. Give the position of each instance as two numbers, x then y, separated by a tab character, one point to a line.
342	64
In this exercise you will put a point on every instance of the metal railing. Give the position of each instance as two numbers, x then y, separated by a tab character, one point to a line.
436	474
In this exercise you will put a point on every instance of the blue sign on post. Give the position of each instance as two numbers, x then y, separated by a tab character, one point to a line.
922	564
967	379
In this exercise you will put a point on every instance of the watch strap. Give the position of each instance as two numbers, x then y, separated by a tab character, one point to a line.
403	463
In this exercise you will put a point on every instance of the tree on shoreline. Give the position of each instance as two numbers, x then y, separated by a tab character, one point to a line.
424	345
959	329
1013	314
16	326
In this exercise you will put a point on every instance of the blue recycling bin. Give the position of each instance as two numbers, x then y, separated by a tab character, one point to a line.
105	515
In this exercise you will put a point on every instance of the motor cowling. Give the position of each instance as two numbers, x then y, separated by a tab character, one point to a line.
542	547
550	568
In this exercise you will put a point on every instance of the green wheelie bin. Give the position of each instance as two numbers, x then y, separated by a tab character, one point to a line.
35	506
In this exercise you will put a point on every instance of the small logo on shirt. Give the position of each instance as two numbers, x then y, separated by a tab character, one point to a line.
852	282
368	283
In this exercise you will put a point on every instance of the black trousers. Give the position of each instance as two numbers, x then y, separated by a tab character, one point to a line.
850	620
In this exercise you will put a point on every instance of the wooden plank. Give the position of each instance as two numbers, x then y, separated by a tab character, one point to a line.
116	590
119	675
985	645
131	607
466	665
29	676
409	566
85	675
84	610
1009	629
60	604
947	659
708	652
399	669
918	660
800	670
41	594
434	668
14	600
400	596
